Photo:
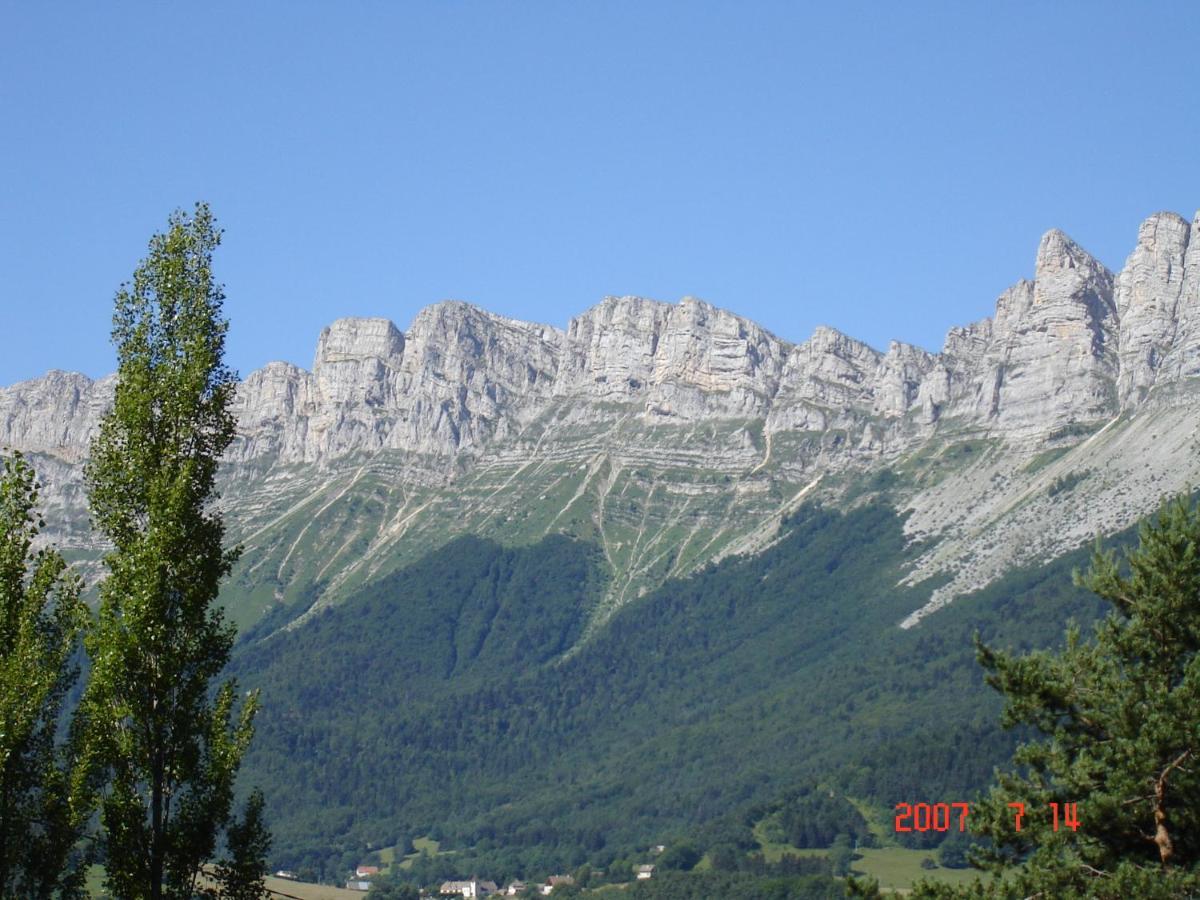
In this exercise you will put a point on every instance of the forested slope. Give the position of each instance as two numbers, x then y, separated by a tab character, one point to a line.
439	699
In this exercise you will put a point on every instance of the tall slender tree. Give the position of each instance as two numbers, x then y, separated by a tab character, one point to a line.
41	619
169	744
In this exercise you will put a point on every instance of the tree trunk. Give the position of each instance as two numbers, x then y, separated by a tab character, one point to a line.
156	828
1162	837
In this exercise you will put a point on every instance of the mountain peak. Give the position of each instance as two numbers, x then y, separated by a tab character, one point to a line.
357	338
1058	252
700	416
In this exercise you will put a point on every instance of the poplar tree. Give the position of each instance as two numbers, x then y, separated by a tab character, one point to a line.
1109	794
169	744
41	619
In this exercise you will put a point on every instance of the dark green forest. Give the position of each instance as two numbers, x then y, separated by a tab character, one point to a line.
737	886
440	701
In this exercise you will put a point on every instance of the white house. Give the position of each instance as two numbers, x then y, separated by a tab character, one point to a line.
468	889
554	881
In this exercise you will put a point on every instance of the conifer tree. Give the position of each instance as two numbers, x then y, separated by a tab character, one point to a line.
1119	718
41	619
169	745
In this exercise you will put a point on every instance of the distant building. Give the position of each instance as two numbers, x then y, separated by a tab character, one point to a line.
358	885
643	872
468	889
515	888
366	871
554	881
283	873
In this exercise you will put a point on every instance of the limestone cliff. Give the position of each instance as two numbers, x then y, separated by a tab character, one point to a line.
704	425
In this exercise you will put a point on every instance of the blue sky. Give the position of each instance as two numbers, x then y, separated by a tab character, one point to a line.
884	168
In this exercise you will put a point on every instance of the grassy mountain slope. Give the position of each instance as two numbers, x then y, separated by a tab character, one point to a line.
661	500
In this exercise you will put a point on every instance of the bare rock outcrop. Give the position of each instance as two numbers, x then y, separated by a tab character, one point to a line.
1072	345
690	360
699	414
1183	358
1148	292
1054	355
828	382
56	414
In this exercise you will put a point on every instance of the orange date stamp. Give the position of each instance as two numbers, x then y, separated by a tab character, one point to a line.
943	816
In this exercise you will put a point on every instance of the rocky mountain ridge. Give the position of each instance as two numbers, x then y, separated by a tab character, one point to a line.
471	420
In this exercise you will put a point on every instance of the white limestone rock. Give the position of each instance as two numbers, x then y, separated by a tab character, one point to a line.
1067	347
1048	357
1183	359
57	414
611	349
357	363
898	378
273	407
1056	358
690	360
828	379
634	385
1148	292
469	375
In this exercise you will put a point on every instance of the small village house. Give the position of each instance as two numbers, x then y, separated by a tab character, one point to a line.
468	889
554	881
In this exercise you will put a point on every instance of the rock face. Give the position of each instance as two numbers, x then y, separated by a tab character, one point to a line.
664	404
1056	354
1074	345
450	385
1182	358
690	361
57	413
1148	292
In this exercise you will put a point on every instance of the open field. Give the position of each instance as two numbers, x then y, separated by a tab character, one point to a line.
894	867
278	888
898	868
420	845
285	888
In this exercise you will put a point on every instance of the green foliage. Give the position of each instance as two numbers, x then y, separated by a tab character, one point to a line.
841	854
695	708
814	817
735	886
168	748
1119	724
384	889
953	852
1072	429
42	813
1067	482
240	875
464	621
680	857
